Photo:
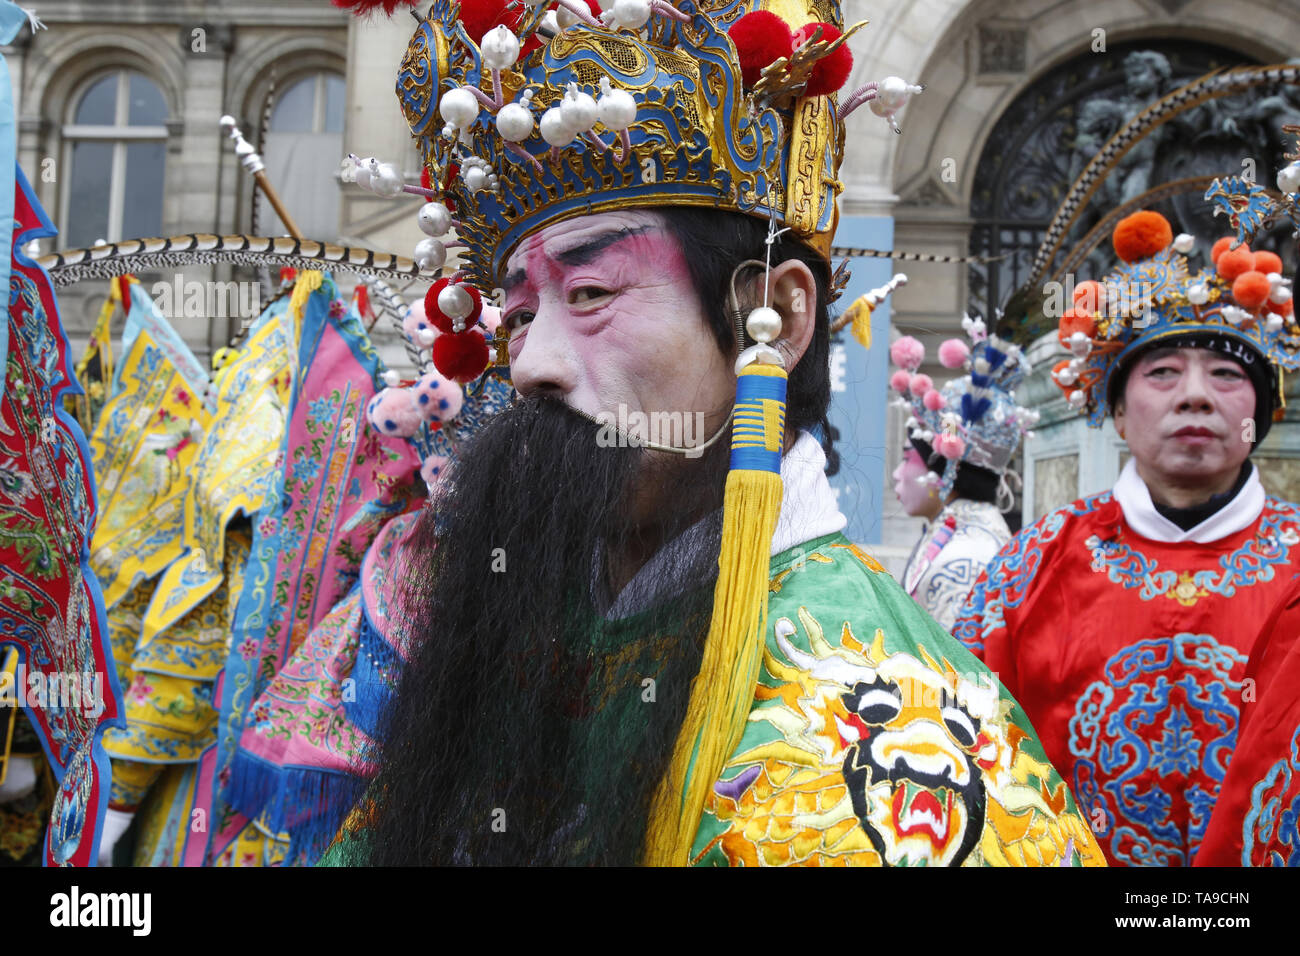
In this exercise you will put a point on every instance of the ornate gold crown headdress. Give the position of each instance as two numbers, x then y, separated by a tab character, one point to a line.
526	116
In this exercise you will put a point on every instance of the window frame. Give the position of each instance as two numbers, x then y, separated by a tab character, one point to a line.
120	136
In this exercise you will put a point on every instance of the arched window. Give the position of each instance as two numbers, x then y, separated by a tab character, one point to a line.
304	145
1049	133
115	148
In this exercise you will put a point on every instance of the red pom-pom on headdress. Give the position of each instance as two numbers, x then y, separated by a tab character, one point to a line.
1267	262
831	72
439	319
1251	289
1141	235
1075	320
761	38
1233	262
461	358
1090	296
363	8
1059	367
480	16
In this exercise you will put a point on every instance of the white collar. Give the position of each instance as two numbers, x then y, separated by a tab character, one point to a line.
1140	512
808	508
808	511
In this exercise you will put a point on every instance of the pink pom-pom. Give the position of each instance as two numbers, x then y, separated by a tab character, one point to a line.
953	353
907	353
434	469
438	399
414	322
898	381
491	318
950	446
918	385
933	400
392	413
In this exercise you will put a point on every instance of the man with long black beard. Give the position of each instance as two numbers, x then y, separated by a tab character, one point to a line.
561	593
665	654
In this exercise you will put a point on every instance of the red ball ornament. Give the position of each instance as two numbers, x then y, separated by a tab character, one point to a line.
1267	262
439	319
1218	248
1090	296
1281	308
831	72
1234	262
363	8
480	16
462	357
761	38
1251	289
1141	235
1059	367
1075	320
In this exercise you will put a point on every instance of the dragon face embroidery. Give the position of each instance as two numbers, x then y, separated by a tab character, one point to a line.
887	758
911	763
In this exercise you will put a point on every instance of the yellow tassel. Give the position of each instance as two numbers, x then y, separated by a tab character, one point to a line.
722	693
10	674
308	282
859	318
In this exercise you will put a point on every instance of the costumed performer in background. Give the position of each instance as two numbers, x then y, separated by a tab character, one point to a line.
961	440
1123	622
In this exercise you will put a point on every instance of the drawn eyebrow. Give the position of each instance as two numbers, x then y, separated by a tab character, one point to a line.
513	279
588	252
580	255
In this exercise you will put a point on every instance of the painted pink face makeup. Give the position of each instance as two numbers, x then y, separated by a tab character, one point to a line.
916	498
602	314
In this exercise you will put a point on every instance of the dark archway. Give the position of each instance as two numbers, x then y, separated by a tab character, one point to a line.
1043	139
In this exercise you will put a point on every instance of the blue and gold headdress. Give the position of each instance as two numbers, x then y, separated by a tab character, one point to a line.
526	116
1240	304
647	106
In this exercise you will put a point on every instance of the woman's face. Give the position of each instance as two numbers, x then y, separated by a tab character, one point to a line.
919	499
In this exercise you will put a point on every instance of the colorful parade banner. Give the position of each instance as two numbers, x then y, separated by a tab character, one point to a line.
51	606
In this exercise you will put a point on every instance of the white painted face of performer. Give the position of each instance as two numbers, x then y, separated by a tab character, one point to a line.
919	499
1186	415
602	314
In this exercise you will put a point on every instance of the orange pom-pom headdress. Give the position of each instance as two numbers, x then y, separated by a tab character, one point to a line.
1154	299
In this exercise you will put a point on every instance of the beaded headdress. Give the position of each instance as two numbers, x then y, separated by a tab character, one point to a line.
526	116
973	419
1241	304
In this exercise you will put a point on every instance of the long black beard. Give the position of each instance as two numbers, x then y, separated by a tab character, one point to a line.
527	729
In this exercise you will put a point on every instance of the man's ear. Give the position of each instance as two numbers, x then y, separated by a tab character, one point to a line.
792	291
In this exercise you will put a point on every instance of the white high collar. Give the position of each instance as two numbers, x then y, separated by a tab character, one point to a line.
808	508
1140	512
808	511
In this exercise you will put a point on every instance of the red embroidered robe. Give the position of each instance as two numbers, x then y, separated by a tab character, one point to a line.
1256	821
1129	656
